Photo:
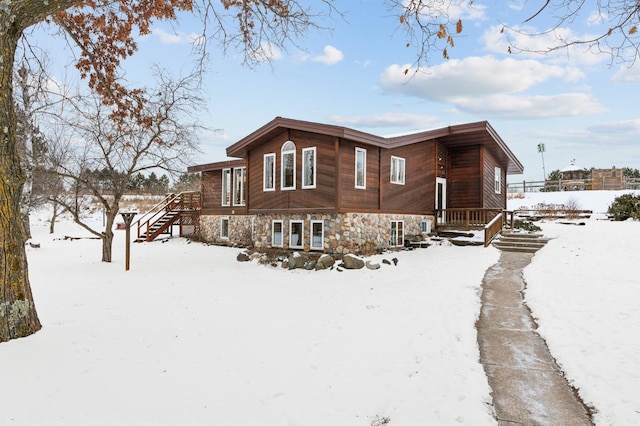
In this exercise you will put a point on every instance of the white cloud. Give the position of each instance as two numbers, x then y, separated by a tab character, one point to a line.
331	56
410	121
491	87
470	77
174	38
597	17
519	41
532	106
467	11
627	74
268	52
617	130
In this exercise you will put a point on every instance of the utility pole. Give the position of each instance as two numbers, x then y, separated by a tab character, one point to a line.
541	151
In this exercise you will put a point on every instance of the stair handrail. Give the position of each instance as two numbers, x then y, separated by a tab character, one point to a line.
493	228
155	212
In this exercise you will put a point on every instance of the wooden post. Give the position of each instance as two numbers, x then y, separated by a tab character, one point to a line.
128	218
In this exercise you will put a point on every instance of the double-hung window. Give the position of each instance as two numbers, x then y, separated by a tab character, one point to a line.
317	235
296	234
309	168
288	166
361	168
239	181
269	183
397	170
276	233
226	187
498	180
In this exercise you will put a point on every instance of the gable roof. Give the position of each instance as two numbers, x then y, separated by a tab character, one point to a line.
479	133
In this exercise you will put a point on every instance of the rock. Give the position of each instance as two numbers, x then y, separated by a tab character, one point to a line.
325	262
386	262
352	262
285	264
395	261
372	266
243	257
310	265
296	260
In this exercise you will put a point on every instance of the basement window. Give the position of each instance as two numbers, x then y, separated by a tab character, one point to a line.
276	233
224	228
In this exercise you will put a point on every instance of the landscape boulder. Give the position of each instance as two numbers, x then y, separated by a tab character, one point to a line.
325	262
372	266
296	260
243	257
351	262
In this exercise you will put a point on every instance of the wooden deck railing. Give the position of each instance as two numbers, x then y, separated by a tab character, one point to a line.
466	218
493	228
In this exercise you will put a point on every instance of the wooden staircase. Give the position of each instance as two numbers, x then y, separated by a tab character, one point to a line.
182	209
520	242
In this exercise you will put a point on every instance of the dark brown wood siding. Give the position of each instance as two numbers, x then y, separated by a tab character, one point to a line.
212	195
417	195
352	198
441	161
320	198
464	178
491	199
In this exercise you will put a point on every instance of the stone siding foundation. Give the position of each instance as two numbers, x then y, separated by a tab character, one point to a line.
361	233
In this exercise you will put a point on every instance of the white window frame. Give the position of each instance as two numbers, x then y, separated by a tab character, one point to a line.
312	236
397	170
363	184
239	178
222	233
498	180
287	153
269	184
291	224
305	169
394	241
226	187
273	233
425	226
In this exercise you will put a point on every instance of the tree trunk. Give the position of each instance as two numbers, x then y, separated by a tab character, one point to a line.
54	216
107	240
18	317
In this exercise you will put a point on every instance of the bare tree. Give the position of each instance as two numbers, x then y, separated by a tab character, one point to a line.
614	33
104	31
119	149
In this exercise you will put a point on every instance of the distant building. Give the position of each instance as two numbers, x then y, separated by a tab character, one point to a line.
610	179
574	178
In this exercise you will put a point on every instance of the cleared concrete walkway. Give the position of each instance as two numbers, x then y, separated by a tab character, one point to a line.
527	385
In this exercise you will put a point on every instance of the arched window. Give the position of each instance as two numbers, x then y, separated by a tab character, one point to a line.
288	171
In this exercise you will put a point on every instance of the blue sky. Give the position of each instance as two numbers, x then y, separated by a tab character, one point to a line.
576	103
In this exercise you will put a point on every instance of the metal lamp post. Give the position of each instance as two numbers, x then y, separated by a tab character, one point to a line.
541	151
128	218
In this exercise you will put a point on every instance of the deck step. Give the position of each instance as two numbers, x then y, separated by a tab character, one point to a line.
520	242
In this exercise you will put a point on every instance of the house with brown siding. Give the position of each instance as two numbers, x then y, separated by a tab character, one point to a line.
310	186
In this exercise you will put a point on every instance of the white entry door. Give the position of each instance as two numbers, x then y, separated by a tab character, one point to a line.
441	199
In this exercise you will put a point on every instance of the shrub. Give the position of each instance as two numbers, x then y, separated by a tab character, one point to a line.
625	206
525	225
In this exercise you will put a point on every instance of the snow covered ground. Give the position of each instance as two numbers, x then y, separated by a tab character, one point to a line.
190	336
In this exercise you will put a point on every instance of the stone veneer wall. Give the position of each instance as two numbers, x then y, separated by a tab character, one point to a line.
343	232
